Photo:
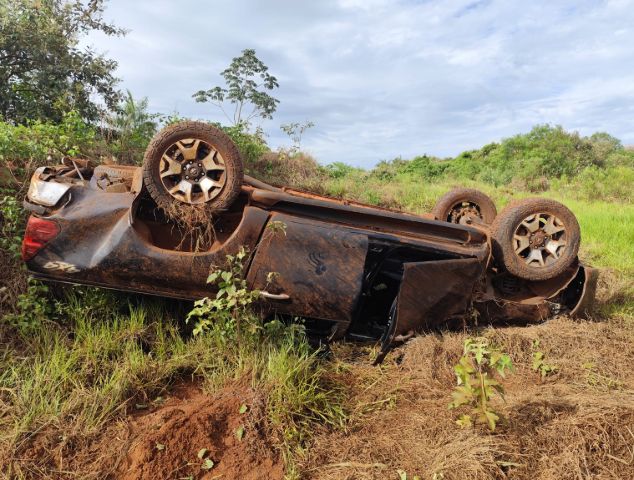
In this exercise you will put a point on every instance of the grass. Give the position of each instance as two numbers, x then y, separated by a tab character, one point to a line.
69	382
112	351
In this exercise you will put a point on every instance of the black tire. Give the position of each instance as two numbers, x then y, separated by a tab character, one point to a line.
511	226
216	139
115	171
460	201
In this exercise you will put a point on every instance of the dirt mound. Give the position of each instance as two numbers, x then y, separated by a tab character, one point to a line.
159	441
165	441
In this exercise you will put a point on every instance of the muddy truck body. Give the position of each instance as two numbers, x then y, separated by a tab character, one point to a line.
351	270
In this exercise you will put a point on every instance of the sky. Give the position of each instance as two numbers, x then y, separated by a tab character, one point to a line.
387	78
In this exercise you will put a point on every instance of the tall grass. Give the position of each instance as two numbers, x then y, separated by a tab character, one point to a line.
110	352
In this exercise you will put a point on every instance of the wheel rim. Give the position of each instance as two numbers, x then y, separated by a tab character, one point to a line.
540	240
193	171
463	209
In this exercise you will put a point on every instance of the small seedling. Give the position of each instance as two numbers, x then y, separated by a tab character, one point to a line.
140	406
240	434
539	365
201	453
160	447
474	387
403	475
208	465
276	227
243	409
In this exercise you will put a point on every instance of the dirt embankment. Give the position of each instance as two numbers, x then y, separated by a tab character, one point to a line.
163	440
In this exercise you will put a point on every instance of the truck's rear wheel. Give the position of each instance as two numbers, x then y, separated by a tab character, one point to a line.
535	238
462	202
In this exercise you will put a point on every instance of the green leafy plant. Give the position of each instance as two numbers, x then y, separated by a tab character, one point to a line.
11	226
539	365
475	388
295	131
34	308
228	315
244	92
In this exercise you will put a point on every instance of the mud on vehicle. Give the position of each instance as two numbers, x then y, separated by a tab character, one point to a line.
352	270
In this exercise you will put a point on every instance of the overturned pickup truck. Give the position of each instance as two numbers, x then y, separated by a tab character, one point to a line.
355	271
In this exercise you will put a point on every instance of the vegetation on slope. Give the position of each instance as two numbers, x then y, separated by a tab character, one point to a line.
77	361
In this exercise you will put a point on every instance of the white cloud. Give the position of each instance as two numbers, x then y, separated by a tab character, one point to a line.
383	78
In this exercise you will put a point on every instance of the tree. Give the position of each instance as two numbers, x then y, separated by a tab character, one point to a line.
130	128
43	72
243	91
612	143
295	131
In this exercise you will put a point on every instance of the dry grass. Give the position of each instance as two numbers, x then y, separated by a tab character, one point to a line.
579	423
299	171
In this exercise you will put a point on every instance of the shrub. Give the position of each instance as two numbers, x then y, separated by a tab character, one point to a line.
24	147
612	184
424	167
475	388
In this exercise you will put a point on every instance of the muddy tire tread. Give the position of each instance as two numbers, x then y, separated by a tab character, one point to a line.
503	229
445	203
218	139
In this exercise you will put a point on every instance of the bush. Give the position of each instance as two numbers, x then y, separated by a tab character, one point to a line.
612	184
24	147
252	145
424	167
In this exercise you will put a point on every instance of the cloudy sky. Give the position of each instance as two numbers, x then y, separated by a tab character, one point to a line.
388	78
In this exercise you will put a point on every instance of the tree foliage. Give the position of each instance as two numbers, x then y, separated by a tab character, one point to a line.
244	92
43	70
129	129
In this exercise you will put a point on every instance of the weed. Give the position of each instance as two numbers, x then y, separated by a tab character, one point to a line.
539	365
34	308
12	226
474	387
229	314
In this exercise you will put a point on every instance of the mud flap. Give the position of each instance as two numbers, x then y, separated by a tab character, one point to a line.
430	293
585	306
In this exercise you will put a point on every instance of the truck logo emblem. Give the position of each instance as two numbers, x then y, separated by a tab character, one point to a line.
62	266
317	261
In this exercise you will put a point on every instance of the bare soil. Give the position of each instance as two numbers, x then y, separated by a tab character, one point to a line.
164	440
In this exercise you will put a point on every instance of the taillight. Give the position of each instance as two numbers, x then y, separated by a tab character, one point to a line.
39	234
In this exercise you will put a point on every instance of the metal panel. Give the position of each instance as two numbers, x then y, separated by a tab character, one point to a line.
432	292
320	267
46	193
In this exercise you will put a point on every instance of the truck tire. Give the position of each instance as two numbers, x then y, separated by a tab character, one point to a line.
193	163
535	238
459	202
